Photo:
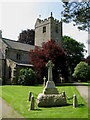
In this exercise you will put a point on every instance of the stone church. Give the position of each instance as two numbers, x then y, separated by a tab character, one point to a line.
15	55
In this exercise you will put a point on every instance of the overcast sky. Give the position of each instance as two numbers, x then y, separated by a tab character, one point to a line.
21	15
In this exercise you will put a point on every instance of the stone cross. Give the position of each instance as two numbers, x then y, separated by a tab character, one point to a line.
50	65
44	80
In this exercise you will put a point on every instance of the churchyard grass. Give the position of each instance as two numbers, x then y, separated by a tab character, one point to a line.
85	83
17	97
70	84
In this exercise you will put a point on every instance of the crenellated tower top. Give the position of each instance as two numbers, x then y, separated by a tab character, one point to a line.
46	20
47	29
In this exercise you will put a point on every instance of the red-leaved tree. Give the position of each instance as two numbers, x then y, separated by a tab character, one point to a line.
49	51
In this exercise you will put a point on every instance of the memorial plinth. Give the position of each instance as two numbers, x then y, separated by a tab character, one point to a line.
50	95
50	88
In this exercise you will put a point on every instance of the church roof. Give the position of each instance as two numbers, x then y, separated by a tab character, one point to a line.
17	45
22	64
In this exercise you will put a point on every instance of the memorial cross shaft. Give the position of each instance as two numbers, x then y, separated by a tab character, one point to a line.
50	65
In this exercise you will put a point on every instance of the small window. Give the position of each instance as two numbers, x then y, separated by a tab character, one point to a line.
56	29
44	29
18	56
10	72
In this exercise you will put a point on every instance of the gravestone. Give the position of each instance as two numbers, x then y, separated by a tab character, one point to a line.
44	79
50	95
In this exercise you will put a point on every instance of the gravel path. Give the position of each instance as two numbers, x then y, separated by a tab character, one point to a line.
6	111
84	92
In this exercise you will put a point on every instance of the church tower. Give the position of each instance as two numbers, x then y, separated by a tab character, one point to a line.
48	29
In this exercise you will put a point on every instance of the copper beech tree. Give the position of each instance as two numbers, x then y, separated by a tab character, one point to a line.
27	36
49	51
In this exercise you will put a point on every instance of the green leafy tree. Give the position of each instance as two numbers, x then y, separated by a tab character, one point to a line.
82	72
75	51
27	77
78	12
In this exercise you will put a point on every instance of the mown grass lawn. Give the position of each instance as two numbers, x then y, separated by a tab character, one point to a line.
70	84
17	97
84	83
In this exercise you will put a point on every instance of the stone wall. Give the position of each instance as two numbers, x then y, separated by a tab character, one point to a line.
12	54
9	74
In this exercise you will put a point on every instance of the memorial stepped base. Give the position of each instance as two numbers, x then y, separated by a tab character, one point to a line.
51	100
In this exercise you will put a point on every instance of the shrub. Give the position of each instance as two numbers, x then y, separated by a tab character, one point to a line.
27	77
82	71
